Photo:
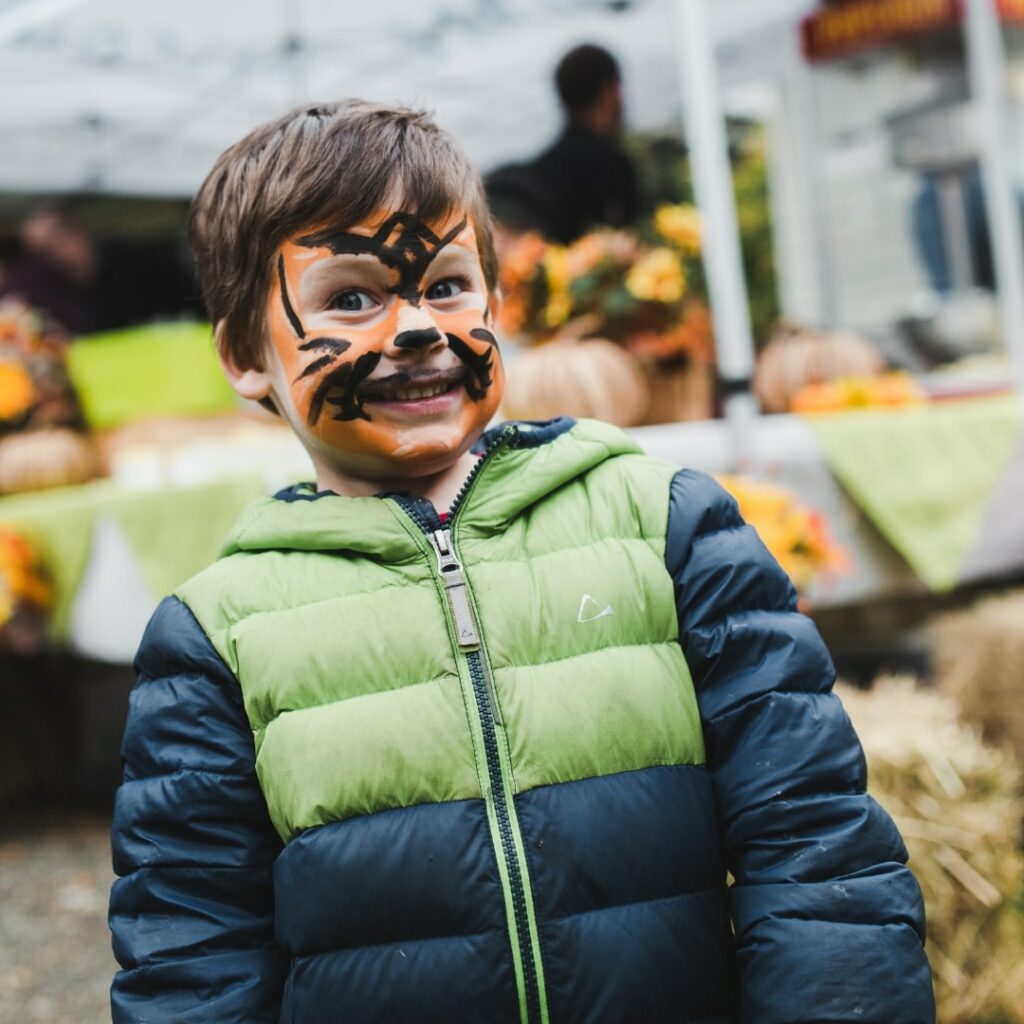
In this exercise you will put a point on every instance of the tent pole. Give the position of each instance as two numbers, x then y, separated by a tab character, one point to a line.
986	64
712	177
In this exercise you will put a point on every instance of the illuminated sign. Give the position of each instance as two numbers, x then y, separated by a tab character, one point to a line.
862	24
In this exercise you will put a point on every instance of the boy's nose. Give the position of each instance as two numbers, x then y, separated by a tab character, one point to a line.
417	339
415	332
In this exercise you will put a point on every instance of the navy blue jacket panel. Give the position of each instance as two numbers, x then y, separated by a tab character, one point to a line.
829	921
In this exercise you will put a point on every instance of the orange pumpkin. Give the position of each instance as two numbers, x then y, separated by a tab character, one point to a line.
796	358
593	378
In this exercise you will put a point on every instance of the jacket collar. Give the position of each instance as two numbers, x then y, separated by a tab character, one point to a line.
533	460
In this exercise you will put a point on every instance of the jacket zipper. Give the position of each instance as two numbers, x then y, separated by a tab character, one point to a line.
470	645
466	630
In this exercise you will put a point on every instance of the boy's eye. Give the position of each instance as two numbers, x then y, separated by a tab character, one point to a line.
447	288
353	300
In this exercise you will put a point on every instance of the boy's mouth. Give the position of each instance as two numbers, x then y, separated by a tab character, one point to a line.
412	385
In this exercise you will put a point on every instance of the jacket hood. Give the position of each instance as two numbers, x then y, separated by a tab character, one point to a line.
527	462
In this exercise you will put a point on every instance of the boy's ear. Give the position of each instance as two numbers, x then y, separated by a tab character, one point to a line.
249	383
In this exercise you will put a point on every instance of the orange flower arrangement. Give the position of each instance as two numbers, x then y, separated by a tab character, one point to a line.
797	536
886	391
22	580
35	390
692	337
643	290
17	392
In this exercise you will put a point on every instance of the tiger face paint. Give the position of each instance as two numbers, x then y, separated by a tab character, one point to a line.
382	335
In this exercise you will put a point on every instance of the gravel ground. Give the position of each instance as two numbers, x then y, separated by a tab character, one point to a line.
55	959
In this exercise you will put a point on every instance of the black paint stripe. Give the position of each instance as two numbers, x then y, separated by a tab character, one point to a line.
316	365
335	345
351	406
335	380
341	383
453	234
292	317
482	334
478	382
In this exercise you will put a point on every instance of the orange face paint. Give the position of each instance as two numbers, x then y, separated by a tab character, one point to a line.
382	332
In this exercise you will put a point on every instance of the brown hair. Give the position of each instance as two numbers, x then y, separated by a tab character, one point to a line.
338	162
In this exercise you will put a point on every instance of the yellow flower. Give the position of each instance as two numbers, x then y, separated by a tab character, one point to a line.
558	308
797	536
657	277
17	390
556	270
679	225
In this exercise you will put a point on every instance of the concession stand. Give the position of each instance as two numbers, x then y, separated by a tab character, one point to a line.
916	149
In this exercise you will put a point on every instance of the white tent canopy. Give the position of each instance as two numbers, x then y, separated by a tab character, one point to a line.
119	96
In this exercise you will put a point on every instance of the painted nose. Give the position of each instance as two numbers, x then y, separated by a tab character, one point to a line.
415	333
417	340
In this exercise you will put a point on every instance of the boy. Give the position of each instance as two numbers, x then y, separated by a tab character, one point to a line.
385	763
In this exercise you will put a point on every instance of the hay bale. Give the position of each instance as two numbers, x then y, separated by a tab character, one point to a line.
957	800
979	661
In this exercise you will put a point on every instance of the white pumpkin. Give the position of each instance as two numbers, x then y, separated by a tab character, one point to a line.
49	457
593	378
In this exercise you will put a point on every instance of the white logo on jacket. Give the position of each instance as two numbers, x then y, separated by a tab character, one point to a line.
587	604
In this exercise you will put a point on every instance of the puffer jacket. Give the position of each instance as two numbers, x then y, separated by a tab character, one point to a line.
381	769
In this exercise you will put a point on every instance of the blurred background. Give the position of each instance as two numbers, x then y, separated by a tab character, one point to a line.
777	240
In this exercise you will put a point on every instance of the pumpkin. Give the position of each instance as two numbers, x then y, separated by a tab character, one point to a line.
795	358
593	378
50	457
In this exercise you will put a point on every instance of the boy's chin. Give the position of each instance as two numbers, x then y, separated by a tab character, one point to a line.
411	458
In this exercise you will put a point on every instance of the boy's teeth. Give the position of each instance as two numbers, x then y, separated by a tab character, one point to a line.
412	394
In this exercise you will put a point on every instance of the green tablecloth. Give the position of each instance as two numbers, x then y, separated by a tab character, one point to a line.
174	533
925	475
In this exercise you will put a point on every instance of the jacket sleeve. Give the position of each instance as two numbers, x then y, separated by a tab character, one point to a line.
829	923
192	913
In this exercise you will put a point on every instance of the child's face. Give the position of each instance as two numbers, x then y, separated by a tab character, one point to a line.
381	346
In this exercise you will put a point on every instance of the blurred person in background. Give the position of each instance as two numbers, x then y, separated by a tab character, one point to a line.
55	268
585	179
58	266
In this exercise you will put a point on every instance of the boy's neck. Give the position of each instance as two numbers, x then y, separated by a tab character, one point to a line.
440	488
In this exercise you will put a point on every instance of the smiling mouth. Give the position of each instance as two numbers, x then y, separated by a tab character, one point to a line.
411	386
